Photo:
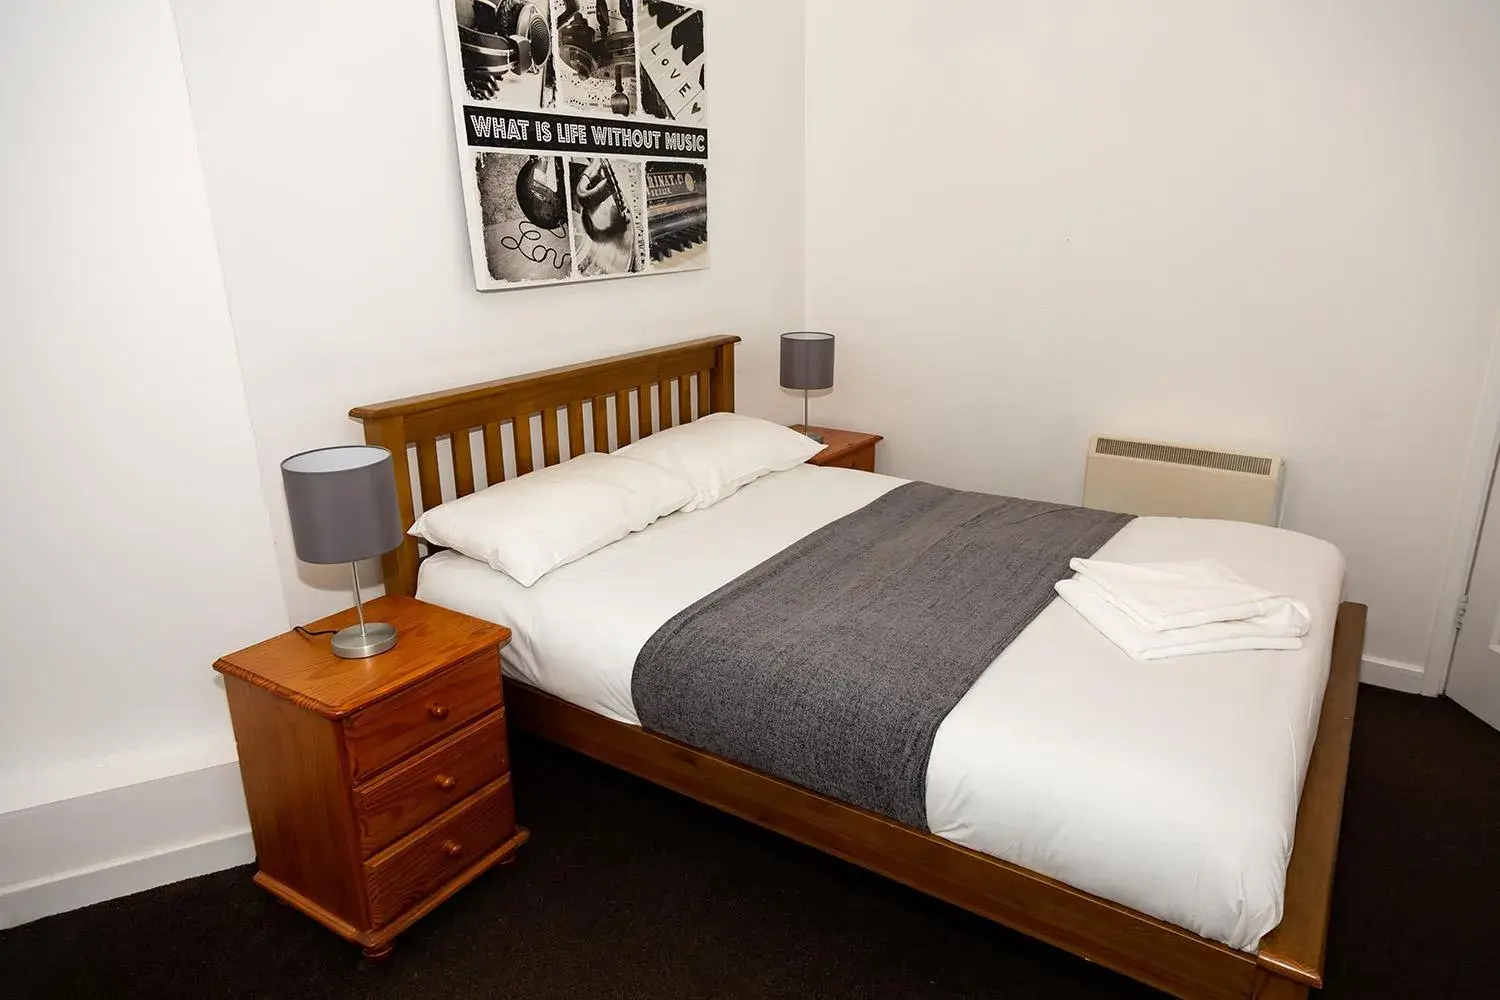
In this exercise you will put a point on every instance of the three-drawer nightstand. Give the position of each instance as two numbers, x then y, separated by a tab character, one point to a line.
377	788
845	449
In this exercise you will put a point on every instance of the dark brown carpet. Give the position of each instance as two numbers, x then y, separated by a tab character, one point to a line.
630	891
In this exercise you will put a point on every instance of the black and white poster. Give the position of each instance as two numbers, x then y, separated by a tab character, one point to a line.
582	130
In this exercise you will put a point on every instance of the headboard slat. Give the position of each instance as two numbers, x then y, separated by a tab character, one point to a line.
427	473
423	420
575	428
463	464
494	454
601	425
551	453
522	431
643	410
622	417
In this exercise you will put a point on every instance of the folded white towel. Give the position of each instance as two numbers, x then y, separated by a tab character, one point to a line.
1279	631
1163	596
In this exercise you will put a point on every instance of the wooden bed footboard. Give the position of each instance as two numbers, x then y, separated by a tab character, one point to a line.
1296	949
509	427
1144	948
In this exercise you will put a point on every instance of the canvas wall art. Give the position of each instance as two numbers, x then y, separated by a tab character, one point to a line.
582	129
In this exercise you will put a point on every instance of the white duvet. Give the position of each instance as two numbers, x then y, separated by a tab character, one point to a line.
1170	787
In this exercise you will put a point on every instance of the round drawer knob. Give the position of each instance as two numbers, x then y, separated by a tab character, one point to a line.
438	711
452	848
446	782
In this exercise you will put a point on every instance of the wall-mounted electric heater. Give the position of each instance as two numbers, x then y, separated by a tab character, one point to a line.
1175	480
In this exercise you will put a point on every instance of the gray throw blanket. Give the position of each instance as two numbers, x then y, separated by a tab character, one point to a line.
832	664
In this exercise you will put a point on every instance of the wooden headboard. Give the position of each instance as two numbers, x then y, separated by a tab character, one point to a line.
471	433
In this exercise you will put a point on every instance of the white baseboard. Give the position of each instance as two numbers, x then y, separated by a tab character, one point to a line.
90	848
118	877
1392	674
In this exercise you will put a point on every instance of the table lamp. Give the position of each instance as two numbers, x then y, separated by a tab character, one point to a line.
343	507
806	364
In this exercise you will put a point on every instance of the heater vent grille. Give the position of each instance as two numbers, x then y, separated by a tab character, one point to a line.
1164	479
1254	465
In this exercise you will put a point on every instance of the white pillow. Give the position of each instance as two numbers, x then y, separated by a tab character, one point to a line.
723	452
528	527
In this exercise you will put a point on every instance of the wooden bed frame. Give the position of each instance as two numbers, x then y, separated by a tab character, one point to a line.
590	407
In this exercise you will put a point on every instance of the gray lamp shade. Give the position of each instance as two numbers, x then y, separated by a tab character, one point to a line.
343	503
807	360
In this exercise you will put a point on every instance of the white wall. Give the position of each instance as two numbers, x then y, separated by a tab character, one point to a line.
1265	226
132	501
327	141
137	544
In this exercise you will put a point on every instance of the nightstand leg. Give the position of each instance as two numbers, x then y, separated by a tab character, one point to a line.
381	952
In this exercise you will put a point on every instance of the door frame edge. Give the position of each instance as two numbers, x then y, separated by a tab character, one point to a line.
1463	544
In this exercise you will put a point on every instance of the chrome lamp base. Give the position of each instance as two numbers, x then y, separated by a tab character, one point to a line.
360	641
367	638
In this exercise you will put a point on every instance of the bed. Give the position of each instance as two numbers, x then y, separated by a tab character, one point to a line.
1180	881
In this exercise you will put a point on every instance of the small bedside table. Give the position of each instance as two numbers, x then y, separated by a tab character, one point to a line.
845	449
377	788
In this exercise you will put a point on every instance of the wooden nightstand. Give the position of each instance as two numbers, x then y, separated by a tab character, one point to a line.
845	449
377	788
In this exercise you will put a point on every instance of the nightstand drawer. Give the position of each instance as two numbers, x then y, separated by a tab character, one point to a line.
413	792
389	730
862	460
420	865
846	449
